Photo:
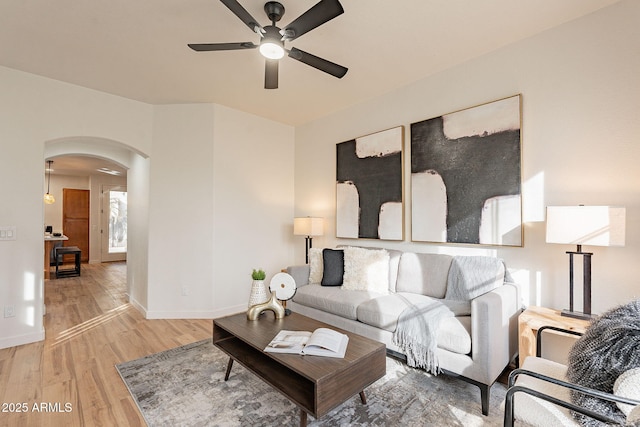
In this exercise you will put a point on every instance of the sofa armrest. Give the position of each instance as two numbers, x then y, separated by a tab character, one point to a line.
300	274
494	329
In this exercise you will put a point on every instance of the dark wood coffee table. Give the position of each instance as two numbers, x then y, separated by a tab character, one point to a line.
315	384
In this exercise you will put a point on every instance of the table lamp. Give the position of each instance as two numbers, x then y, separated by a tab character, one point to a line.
308	227
584	225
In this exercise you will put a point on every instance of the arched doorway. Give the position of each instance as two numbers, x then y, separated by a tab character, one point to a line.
136	165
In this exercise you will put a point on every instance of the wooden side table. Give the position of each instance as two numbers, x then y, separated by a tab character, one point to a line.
533	318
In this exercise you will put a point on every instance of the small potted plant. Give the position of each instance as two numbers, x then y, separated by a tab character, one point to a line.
258	274
258	292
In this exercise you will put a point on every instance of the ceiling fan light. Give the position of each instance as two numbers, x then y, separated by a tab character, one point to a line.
271	50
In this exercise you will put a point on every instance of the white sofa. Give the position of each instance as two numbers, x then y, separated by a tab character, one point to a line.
476	347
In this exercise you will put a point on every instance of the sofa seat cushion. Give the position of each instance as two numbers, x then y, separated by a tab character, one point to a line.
383	312
334	300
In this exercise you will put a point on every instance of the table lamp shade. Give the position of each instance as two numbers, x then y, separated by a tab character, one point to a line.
586	225
307	226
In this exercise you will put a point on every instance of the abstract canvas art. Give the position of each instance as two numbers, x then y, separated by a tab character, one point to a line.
466	176
369	201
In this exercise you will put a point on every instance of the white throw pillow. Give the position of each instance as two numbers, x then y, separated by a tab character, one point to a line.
315	265
366	270
628	385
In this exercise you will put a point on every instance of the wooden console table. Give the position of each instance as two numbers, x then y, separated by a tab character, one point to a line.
533	318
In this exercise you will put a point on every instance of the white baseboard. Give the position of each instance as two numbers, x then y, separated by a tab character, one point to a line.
209	314
138	306
21	339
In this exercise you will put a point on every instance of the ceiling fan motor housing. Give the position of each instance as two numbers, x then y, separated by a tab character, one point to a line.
272	34
274	11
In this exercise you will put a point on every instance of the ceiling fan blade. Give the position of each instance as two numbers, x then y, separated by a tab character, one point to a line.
208	47
271	74
322	12
242	13
316	62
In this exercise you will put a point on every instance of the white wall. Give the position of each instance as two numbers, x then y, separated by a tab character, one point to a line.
252	201
221	198
581	144
138	230
180	212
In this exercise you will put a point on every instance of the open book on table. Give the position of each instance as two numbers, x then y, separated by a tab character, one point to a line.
322	342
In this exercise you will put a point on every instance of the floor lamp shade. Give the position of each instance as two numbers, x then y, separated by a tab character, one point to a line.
308	227
585	225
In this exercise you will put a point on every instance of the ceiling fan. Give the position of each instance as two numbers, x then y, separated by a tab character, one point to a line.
272	38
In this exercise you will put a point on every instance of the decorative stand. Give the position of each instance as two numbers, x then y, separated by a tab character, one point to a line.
272	304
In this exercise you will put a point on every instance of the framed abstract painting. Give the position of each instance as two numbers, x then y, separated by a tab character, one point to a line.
369	196
466	176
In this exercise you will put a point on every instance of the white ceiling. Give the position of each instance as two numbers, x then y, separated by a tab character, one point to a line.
138	48
83	166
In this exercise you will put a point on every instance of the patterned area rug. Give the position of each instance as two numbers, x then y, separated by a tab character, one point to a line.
185	387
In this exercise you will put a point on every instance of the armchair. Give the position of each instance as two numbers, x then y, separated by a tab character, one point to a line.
543	394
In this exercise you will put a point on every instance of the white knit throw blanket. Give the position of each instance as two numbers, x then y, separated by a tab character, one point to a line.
417	331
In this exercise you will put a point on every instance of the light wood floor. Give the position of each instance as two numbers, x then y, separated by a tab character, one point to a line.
89	328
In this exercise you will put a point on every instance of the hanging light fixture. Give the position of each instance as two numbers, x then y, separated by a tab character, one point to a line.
48	197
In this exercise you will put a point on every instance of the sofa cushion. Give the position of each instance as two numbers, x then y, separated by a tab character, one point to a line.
332	267
334	300
454	333
366	269
315	265
424	274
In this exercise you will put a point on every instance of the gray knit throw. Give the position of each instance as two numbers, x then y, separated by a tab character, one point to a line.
609	347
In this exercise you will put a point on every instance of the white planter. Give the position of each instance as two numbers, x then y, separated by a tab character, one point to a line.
258	293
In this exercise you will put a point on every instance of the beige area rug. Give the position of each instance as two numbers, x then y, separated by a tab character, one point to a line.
185	387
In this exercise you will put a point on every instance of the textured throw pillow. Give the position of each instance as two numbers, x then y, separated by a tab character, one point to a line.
333	267
366	270
315	265
608	348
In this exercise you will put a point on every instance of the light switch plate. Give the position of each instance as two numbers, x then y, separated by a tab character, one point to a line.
8	232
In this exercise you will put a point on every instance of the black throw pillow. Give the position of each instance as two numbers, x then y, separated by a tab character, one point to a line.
333	267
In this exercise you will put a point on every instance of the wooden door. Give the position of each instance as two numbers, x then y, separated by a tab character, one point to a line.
75	219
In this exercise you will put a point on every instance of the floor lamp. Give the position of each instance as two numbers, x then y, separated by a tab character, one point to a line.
584	225
308	227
